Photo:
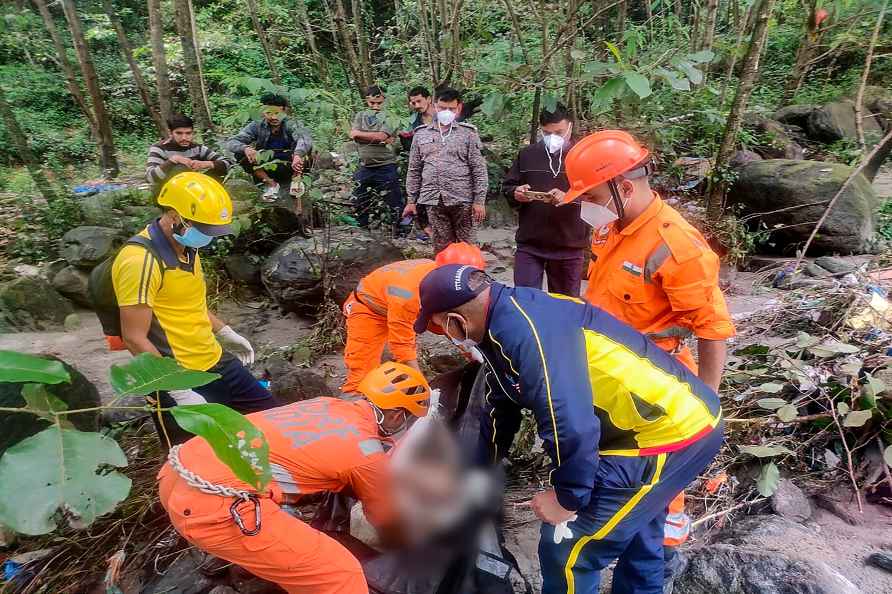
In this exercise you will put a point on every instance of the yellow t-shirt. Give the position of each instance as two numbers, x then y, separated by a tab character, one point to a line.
180	325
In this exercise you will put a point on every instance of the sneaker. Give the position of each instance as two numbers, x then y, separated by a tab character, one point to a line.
271	194
423	237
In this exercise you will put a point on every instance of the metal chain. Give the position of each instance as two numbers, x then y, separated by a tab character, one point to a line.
193	480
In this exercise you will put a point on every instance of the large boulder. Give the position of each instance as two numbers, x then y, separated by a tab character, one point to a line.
795	115
242	190
99	209
879	101
836	121
778	143
794	194
243	268
87	246
78	393
732	569
32	304
302	271
72	282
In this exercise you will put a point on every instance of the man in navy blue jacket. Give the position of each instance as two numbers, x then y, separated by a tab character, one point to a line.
626	426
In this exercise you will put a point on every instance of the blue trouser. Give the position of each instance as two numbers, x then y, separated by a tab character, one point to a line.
236	387
378	193
624	520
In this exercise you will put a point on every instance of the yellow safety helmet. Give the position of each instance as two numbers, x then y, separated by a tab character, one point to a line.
201	200
395	385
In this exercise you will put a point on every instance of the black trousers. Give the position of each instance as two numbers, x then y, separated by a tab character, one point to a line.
378	195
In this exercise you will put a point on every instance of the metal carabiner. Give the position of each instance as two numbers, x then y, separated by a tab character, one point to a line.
237	518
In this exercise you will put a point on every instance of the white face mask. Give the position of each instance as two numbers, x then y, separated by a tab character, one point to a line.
553	142
445	117
466	346
596	215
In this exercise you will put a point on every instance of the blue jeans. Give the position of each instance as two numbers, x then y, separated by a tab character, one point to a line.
237	388
378	195
624	521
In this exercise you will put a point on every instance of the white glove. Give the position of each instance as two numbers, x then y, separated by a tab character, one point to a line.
562	531
187	397
236	344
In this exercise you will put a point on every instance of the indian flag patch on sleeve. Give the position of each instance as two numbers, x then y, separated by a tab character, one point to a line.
632	269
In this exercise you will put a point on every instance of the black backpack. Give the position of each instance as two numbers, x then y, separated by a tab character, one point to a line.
101	289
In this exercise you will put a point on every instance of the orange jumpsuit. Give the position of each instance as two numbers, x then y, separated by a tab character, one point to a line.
324	444
658	275
382	310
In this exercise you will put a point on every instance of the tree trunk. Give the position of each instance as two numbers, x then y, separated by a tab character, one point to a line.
749	73
696	23
304	18
107	159
534	120
649	15
877	157
65	65
159	60
426	17
622	11
712	13
264	41
138	79
808	45
362	44
732	61
353	65
200	110
859	98
20	141
196	41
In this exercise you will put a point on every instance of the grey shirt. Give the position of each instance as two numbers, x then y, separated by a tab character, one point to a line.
257	134
446	168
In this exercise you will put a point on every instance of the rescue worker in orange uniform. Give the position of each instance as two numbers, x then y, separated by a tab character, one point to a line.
318	445
649	267
383	307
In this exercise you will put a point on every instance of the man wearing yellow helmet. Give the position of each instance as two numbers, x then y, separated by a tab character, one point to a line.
161	294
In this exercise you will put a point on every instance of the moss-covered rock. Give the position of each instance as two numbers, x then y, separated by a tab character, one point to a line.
87	246
31	304
794	194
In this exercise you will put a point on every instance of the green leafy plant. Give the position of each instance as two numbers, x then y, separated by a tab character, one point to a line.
71	476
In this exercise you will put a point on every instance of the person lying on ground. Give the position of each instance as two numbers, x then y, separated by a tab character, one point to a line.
178	152
383	307
626	426
315	446
290	143
162	296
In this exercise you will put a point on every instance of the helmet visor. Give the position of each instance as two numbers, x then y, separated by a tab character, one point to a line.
212	230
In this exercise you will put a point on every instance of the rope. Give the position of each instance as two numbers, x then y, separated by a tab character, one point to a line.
193	480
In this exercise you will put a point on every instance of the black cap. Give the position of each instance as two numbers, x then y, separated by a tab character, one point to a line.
444	289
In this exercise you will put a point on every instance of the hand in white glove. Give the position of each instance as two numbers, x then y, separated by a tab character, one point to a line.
236	344
187	397
562	531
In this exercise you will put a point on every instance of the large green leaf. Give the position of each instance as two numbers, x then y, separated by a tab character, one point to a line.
549	102
19	367
606	93
701	57
494	105
675	81
787	413
768	480
42	403
147	373
638	83
771	403
235	440
60	471
615	51
691	71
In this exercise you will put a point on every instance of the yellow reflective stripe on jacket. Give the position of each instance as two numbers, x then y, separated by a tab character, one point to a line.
611	523
638	396
557	441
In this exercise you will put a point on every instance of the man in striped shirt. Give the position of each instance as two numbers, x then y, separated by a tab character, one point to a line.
178	153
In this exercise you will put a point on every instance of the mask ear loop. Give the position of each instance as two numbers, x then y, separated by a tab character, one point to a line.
617	199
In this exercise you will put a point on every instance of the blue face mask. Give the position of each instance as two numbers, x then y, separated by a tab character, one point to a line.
193	238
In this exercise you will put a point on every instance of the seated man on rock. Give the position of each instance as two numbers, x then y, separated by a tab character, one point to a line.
179	152
288	140
315	446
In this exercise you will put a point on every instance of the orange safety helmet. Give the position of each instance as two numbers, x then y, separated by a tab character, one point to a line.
395	385
599	158
461	253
